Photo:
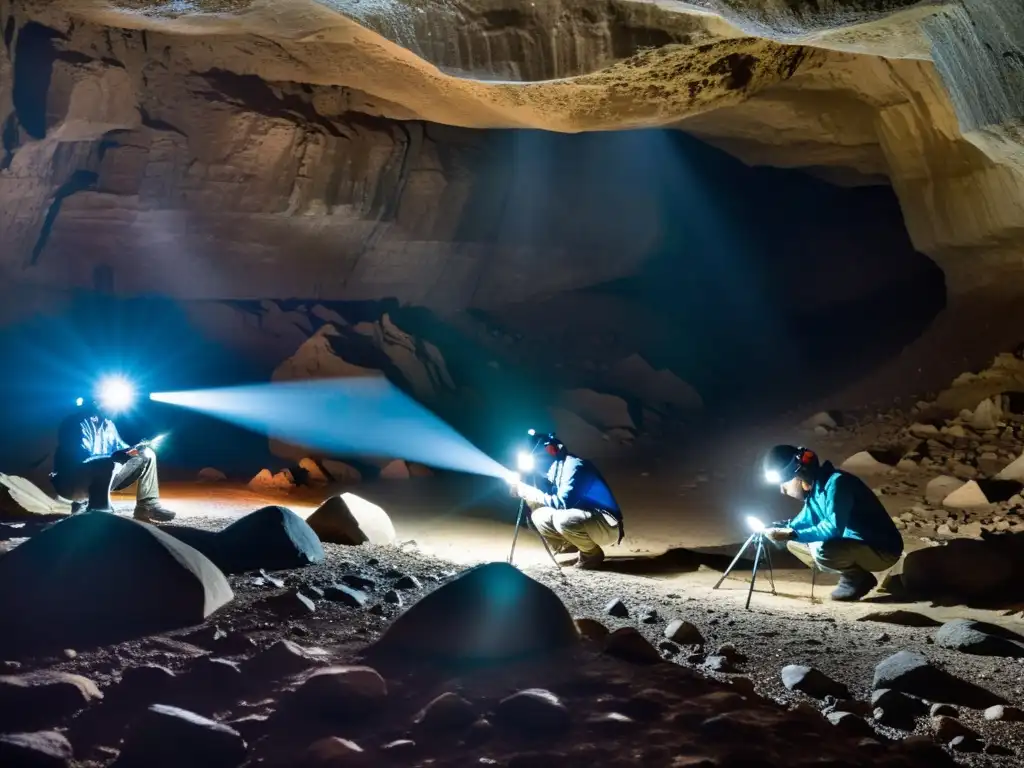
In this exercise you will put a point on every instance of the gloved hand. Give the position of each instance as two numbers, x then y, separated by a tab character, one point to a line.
779	534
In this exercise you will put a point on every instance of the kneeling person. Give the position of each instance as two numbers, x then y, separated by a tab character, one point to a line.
92	459
576	509
843	527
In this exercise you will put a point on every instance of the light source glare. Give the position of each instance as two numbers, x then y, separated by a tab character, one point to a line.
531	432
754	524
359	416
115	394
525	462
773	477
513	477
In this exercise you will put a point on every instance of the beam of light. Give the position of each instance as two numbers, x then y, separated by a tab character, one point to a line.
115	394
773	477
351	416
754	524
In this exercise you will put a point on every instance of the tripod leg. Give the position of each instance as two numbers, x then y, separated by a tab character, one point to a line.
735	560
515	535
771	570
753	576
814	578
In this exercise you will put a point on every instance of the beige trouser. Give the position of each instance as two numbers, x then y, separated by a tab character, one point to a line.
587	531
842	555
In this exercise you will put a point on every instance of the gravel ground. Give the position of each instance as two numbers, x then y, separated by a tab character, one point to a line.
779	630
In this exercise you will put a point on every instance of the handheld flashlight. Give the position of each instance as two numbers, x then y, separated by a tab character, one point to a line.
754	524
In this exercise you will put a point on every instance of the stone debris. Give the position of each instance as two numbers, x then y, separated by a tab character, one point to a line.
269	482
903	618
683	633
617	608
351	520
526	617
533	711
814	683
986	416
629	645
314	473
40	749
447	712
168	737
38	699
979	638
912	673
939	488
967	496
211	475
865	464
821	419
333	692
54	590
395	470
592	630
1013	471
1005	713
341	472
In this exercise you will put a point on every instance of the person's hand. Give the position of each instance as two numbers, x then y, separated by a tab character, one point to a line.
779	534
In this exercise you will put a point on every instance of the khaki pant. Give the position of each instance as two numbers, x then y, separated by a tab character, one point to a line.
93	480
842	556
587	531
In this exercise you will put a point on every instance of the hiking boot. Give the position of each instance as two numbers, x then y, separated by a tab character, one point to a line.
590	560
853	585
153	513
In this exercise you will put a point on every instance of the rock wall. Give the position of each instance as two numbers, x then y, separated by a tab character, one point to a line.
144	149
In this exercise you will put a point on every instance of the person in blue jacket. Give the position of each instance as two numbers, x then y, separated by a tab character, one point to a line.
843	527
92	459
574	509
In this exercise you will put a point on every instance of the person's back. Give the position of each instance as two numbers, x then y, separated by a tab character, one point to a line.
587	488
867	520
82	436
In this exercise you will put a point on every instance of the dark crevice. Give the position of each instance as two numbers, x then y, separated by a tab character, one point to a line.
79	182
158	125
34	56
253	93
9	138
72	57
9	33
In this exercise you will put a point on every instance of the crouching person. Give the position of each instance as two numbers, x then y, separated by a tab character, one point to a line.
92	459
843	527
575	509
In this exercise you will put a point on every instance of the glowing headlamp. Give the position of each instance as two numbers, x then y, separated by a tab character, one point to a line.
773	477
115	394
754	524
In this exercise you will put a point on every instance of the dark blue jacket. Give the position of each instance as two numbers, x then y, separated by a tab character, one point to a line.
575	483
83	437
842	506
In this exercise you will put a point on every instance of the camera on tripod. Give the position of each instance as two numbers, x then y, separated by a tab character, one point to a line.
526	463
761	553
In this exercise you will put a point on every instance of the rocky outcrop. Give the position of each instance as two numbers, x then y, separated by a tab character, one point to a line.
137	136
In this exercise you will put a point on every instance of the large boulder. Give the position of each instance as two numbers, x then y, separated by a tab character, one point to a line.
963	568
912	673
979	638
273	538
349	519
100	577
21	498
489	613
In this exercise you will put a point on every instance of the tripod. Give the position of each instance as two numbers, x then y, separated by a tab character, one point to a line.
523	521
761	551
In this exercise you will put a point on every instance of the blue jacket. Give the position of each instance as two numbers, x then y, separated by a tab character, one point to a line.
575	483
83	437
841	506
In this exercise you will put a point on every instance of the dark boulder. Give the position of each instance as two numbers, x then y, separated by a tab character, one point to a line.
96	577
489	613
